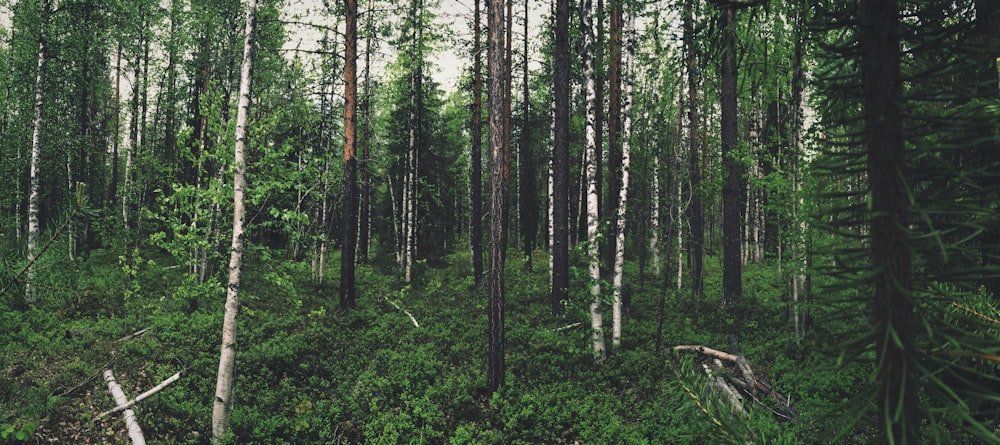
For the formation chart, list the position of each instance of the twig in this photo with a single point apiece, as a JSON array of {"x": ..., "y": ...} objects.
[
  {"x": 126, "y": 405},
  {"x": 403, "y": 310},
  {"x": 569, "y": 326},
  {"x": 132, "y": 335}
]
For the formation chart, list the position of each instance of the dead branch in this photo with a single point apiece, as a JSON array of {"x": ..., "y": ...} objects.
[
  {"x": 408, "y": 314},
  {"x": 134, "y": 431},
  {"x": 126, "y": 405},
  {"x": 741, "y": 382}
]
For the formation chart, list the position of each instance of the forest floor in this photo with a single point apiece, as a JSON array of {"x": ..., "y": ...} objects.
[{"x": 308, "y": 372}]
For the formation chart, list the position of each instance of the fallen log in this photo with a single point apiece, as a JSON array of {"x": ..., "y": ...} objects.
[
  {"x": 123, "y": 406},
  {"x": 134, "y": 431},
  {"x": 741, "y": 382}
]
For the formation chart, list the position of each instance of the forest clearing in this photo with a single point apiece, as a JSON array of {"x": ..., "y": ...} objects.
[{"x": 616, "y": 221}]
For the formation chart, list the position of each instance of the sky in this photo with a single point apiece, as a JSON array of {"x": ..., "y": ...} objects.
[{"x": 453, "y": 18}]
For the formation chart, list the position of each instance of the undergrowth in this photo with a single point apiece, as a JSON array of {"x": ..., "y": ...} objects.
[{"x": 309, "y": 372}]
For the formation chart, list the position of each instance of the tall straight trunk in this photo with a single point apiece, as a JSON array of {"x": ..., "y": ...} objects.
[
  {"x": 349, "y": 228},
  {"x": 508, "y": 83},
  {"x": 593, "y": 239},
  {"x": 133, "y": 132},
  {"x": 113, "y": 187},
  {"x": 619, "y": 265},
  {"x": 797, "y": 247},
  {"x": 227, "y": 359},
  {"x": 365, "y": 215},
  {"x": 697, "y": 225},
  {"x": 892, "y": 311},
  {"x": 476, "y": 175},
  {"x": 410, "y": 184},
  {"x": 614, "y": 131},
  {"x": 498, "y": 200},
  {"x": 560, "y": 161},
  {"x": 526, "y": 175},
  {"x": 34, "y": 187},
  {"x": 732, "y": 288}
]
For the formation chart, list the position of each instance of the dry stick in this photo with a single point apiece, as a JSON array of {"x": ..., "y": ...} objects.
[
  {"x": 126, "y": 405},
  {"x": 403, "y": 310},
  {"x": 708, "y": 351},
  {"x": 134, "y": 432}
]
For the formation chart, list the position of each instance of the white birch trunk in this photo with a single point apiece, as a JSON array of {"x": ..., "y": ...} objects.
[
  {"x": 616, "y": 308},
  {"x": 593, "y": 239},
  {"x": 551, "y": 190},
  {"x": 654, "y": 213},
  {"x": 134, "y": 431},
  {"x": 34, "y": 192},
  {"x": 227, "y": 358}
]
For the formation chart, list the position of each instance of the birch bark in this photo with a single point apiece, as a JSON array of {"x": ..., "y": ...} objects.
[
  {"x": 34, "y": 192},
  {"x": 593, "y": 236},
  {"x": 616, "y": 311},
  {"x": 227, "y": 358}
]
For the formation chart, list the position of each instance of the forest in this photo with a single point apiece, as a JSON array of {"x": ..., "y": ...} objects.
[{"x": 499, "y": 222}]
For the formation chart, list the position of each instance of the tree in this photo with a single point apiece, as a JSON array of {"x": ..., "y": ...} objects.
[
  {"x": 694, "y": 170},
  {"x": 476, "y": 153},
  {"x": 498, "y": 200},
  {"x": 350, "y": 221},
  {"x": 892, "y": 310},
  {"x": 34, "y": 189},
  {"x": 526, "y": 174},
  {"x": 559, "y": 199},
  {"x": 590, "y": 155},
  {"x": 620, "y": 210},
  {"x": 227, "y": 359},
  {"x": 732, "y": 287}
]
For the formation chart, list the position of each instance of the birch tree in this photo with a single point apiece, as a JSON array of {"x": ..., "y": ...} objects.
[
  {"x": 559, "y": 197},
  {"x": 227, "y": 359},
  {"x": 696, "y": 217},
  {"x": 34, "y": 190},
  {"x": 591, "y": 154},
  {"x": 616, "y": 314}
]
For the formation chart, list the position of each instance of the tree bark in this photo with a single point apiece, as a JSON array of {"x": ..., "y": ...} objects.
[
  {"x": 593, "y": 238},
  {"x": 526, "y": 175},
  {"x": 498, "y": 200},
  {"x": 614, "y": 130},
  {"x": 892, "y": 310},
  {"x": 560, "y": 161},
  {"x": 227, "y": 359},
  {"x": 34, "y": 188},
  {"x": 732, "y": 288},
  {"x": 131, "y": 424},
  {"x": 619, "y": 265},
  {"x": 349, "y": 240},
  {"x": 694, "y": 170},
  {"x": 476, "y": 175}
]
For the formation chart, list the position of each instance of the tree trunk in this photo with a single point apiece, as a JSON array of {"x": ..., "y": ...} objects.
[
  {"x": 616, "y": 318},
  {"x": 227, "y": 360},
  {"x": 526, "y": 176},
  {"x": 560, "y": 161},
  {"x": 34, "y": 191},
  {"x": 614, "y": 131},
  {"x": 476, "y": 175},
  {"x": 498, "y": 200},
  {"x": 349, "y": 240},
  {"x": 593, "y": 239},
  {"x": 364, "y": 225},
  {"x": 694, "y": 170},
  {"x": 732, "y": 271},
  {"x": 892, "y": 310}
]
